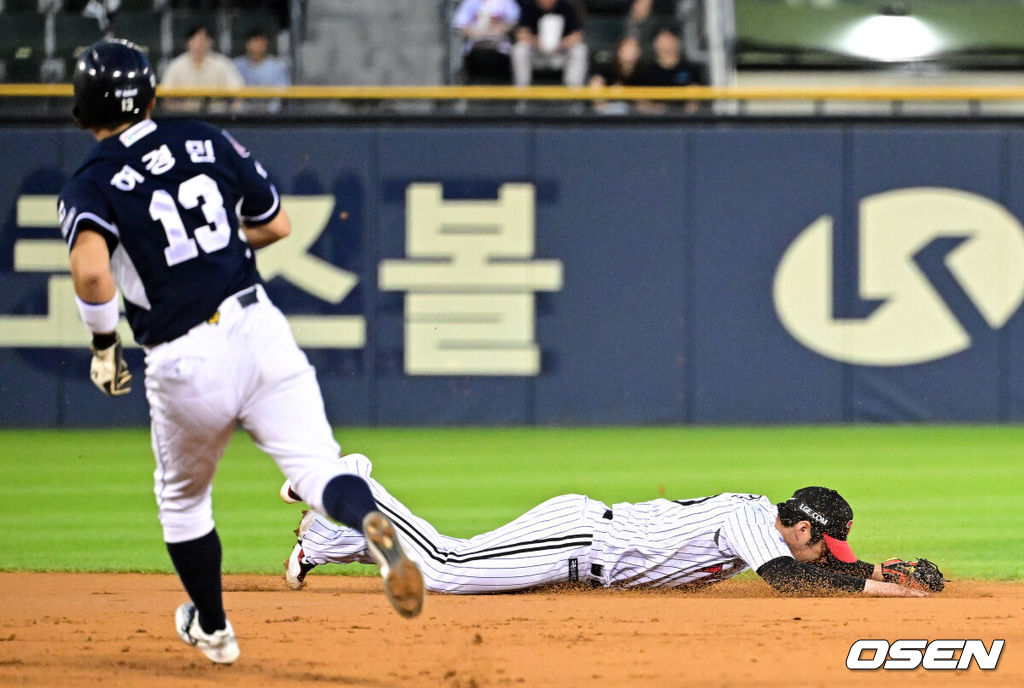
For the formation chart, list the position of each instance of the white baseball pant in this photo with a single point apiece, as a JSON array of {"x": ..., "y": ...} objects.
[{"x": 243, "y": 368}]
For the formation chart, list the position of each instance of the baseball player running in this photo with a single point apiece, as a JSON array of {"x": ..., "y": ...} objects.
[
  {"x": 170, "y": 213},
  {"x": 799, "y": 545}
]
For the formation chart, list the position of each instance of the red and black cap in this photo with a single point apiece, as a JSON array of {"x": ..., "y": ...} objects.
[{"x": 829, "y": 514}]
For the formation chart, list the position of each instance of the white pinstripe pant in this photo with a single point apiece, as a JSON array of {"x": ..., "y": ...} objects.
[{"x": 550, "y": 543}]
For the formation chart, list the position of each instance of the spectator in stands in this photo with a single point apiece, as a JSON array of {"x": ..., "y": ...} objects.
[
  {"x": 624, "y": 70},
  {"x": 668, "y": 68},
  {"x": 549, "y": 36},
  {"x": 259, "y": 68},
  {"x": 486, "y": 27},
  {"x": 200, "y": 65}
]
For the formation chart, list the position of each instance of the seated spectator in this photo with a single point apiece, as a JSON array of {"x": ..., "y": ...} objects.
[
  {"x": 624, "y": 70},
  {"x": 549, "y": 36},
  {"x": 626, "y": 67},
  {"x": 200, "y": 66},
  {"x": 258, "y": 68},
  {"x": 485, "y": 26},
  {"x": 668, "y": 68}
]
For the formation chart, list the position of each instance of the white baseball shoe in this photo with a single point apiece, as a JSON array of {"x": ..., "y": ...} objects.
[
  {"x": 295, "y": 566},
  {"x": 220, "y": 646},
  {"x": 403, "y": 582},
  {"x": 288, "y": 495}
]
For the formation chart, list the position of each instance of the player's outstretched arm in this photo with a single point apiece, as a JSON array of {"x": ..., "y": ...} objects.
[
  {"x": 859, "y": 568},
  {"x": 920, "y": 574},
  {"x": 883, "y": 589},
  {"x": 786, "y": 574}
]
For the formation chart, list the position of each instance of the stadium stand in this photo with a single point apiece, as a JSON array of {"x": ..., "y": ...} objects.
[
  {"x": 399, "y": 42},
  {"x": 22, "y": 45},
  {"x": 73, "y": 33},
  {"x": 144, "y": 28}
]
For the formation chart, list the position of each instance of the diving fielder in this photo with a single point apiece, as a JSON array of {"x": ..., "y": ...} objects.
[
  {"x": 170, "y": 213},
  {"x": 799, "y": 545}
]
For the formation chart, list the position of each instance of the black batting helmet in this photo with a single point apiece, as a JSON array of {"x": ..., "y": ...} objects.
[{"x": 114, "y": 83}]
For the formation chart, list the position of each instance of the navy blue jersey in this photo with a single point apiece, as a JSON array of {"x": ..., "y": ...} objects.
[{"x": 167, "y": 196}]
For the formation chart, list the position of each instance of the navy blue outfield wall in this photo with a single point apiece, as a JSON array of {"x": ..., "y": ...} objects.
[{"x": 615, "y": 274}]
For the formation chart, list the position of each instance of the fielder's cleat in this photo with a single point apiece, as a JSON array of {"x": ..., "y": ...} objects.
[
  {"x": 220, "y": 646},
  {"x": 288, "y": 495},
  {"x": 295, "y": 566},
  {"x": 403, "y": 583}
]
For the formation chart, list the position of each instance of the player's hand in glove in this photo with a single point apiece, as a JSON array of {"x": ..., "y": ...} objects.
[
  {"x": 920, "y": 574},
  {"x": 108, "y": 371}
]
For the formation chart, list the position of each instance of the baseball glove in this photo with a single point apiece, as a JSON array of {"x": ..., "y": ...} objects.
[{"x": 920, "y": 574}]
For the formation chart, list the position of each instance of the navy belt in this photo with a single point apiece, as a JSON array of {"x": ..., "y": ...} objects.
[{"x": 248, "y": 297}]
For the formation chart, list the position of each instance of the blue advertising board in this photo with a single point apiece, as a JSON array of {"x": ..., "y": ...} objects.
[{"x": 618, "y": 273}]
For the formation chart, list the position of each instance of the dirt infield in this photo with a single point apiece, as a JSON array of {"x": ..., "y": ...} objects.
[{"x": 117, "y": 630}]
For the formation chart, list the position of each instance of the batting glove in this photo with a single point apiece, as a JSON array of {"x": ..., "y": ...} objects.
[{"x": 108, "y": 370}]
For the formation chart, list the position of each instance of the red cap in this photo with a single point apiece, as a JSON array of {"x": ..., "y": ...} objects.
[{"x": 840, "y": 549}]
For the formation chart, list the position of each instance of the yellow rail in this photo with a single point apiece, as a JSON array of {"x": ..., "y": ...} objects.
[{"x": 910, "y": 94}]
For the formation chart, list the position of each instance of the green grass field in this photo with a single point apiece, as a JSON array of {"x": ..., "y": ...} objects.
[{"x": 83, "y": 501}]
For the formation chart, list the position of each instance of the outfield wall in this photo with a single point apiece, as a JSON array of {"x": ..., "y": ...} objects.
[{"x": 617, "y": 273}]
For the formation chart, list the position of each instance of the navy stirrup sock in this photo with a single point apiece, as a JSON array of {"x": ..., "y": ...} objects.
[
  {"x": 198, "y": 565},
  {"x": 347, "y": 499}
]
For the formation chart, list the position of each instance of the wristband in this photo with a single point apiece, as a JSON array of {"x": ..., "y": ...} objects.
[
  {"x": 99, "y": 317},
  {"x": 104, "y": 340}
]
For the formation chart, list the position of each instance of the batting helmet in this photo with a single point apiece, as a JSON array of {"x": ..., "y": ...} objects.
[{"x": 114, "y": 83}]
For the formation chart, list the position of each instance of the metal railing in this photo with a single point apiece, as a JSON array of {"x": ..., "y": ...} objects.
[{"x": 731, "y": 101}]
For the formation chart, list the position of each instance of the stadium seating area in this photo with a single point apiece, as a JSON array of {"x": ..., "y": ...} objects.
[
  {"x": 40, "y": 39},
  {"x": 409, "y": 42}
]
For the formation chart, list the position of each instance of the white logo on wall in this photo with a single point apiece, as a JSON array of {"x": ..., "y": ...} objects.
[
  {"x": 913, "y": 324},
  {"x": 470, "y": 279}
]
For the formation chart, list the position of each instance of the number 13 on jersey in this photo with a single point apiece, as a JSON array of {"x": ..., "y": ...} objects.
[{"x": 213, "y": 236}]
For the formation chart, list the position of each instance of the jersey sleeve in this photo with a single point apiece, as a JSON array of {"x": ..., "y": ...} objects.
[
  {"x": 786, "y": 574},
  {"x": 750, "y": 533},
  {"x": 260, "y": 200},
  {"x": 82, "y": 206}
]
